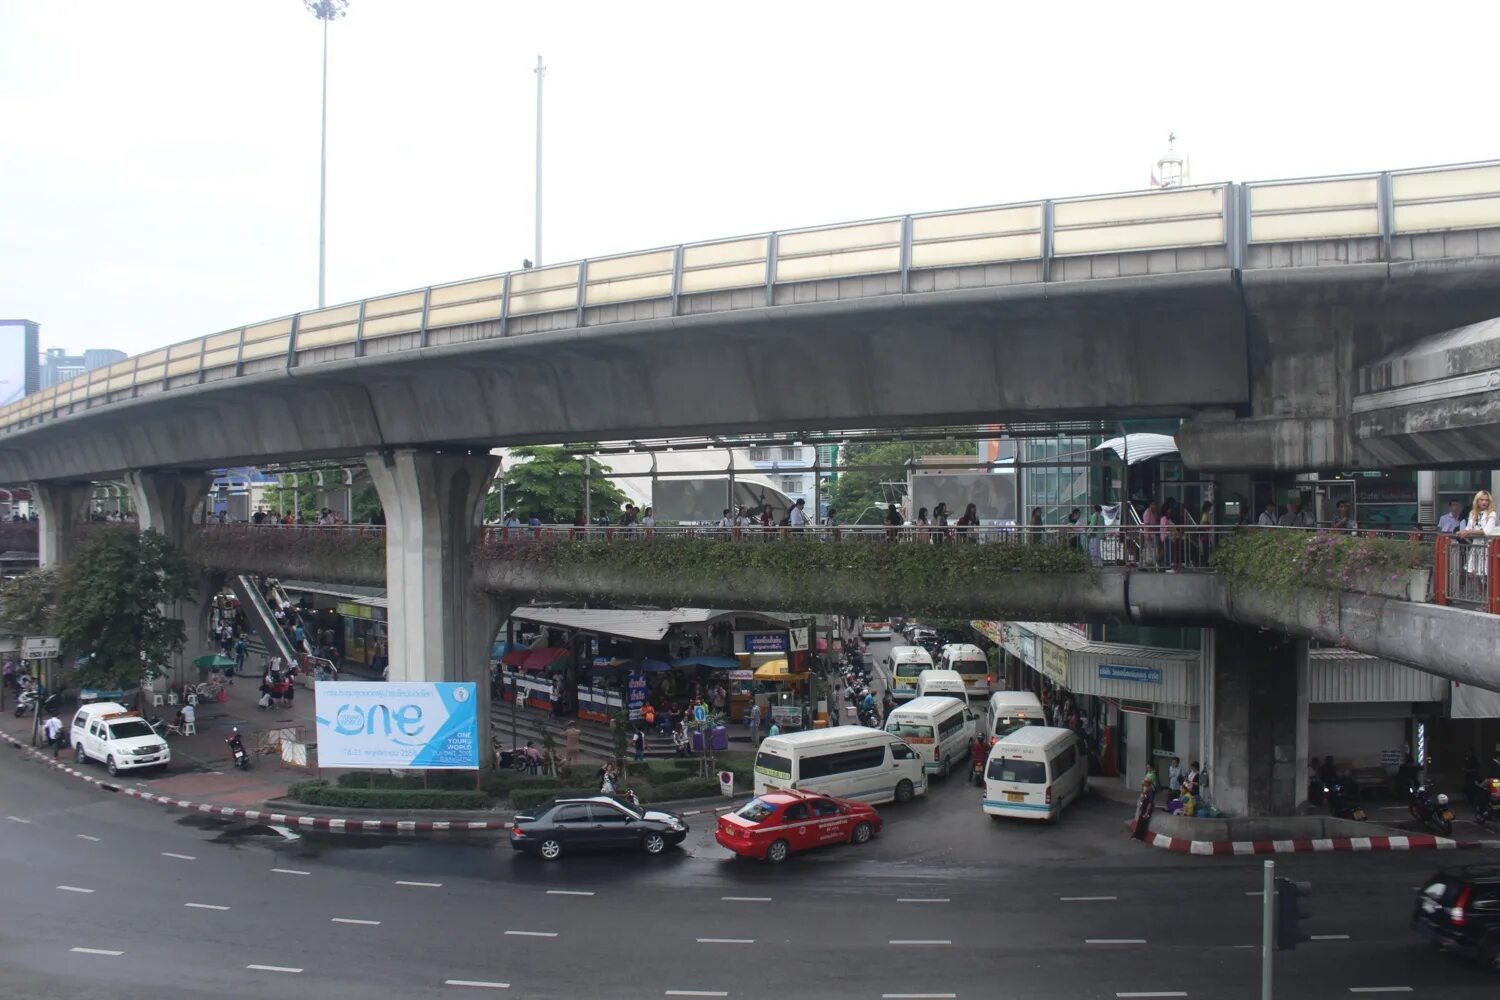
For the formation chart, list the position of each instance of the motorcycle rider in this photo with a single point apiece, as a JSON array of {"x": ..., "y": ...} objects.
[{"x": 237, "y": 749}]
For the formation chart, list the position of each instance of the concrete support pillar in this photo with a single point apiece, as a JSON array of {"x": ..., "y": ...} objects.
[
  {"x": 439, "y": 628},
  {"x": 164, "y": 502},
  {"x": 1258, "y": 698},
  {"x": 61, "y": 507}
]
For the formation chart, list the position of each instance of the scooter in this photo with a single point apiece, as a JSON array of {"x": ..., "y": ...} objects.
[
  {"x": 1340, "y": 805},
  {"x": 1431, "y": 808},
  {"x": 237, "y": 748},
  {"x": 29, "y": 699}
]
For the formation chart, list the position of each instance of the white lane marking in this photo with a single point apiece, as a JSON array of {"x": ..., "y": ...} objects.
[
  {"x": 920, "y": 941},
  {"x": 1380, "y": 989},
  {"x": 1246, "y": 946},
  {"x": 477, "y": 984},
  {"x": 918, "y": 899},
  {"x": 918, "y": 996},
  {"x": 84, "y": 836},
  {"x": 352, "y": 920},
  {"x": 726, "y": 940},
  {"x": 179, "y": 857},
  {"x": 1154, "y": 993},
  {"x": 1257, "y": 892},
  {"x": 1114, "y": 940},
  {"x": 273, "y": 968},
  {"x": 746, "y": 899},
  {"x": 1086, "y": 899},
  {"x": 424, "y": 885},
  {"x": 17, "y": 819},
  {"x": 697, "y": 993},
  {"x": 74, "y": 888},
  {"x": 289, "y": 871},
  {"x": 531, "y": 933},
  {"x": 1329, "y": 937},
  {"x": 567, "y": 892},
  {"x": 96, "y": 951},
  {"x": 205, "y": 906}
]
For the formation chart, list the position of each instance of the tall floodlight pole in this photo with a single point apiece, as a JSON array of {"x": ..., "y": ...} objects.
[
  {"x": 541, "y": 71},
  {"x": 325, "y": 11}
]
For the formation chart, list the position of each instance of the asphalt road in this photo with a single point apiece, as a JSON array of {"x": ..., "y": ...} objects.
[{"x": 945, "y": 903}]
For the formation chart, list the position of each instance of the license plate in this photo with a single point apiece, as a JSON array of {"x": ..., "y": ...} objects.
[
  {"x": 1448, "y": 814},
  {"x": 1015, "y": 797}
]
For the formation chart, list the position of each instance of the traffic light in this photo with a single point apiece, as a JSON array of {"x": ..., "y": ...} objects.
[{"x": 1290, "y": 912}]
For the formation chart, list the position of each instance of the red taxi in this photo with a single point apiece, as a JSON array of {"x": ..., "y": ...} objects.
[{"x": 775, "y": 824}]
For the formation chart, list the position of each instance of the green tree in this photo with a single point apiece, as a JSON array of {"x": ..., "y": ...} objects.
[
  {"x": 109, "y": 606},
  {"x": 28, "y": 603},
  {"x": 303, "y": 497},
  {"x": 860, "y": 495},
  {"x": 364, "y": 504},
  {"x": 548, "y": 481}
]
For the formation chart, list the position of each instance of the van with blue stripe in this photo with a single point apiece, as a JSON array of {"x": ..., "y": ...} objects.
[{"x": 1035, "y": 773}]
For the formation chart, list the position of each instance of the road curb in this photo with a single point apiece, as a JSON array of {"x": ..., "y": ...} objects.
[
  {"x": 1310, "y": 845},
  {"x": 332, "y": 824}
]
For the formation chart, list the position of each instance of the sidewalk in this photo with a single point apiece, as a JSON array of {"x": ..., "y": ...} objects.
[{"x": 200, "y": 767}]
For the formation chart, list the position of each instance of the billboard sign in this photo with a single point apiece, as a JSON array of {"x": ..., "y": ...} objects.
[
  {"x": 762, "y": 642},
  {"x": 13, "y": 353},
  {"x": 380, "y": 725}
]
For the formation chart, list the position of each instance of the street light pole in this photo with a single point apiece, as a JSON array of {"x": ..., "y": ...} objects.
[
  {"x": 541, "y": 71},
  {"x": 325, "y": 11}
]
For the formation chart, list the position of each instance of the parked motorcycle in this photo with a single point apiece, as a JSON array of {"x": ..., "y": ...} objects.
[
  {"x": 1431, "y": 808},
  {"x": 1342, "y": 805},
  {"x": 30, "y": 698}
]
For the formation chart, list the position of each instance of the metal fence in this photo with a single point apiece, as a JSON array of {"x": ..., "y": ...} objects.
[
  {"x": 1465, "y": 572},
  {"x": 1241, "y": 225}
]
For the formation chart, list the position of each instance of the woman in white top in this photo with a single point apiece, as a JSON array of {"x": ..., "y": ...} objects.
[{"x": 1483, "y": 522}]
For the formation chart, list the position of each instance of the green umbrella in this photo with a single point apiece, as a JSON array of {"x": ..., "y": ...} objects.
[{"x": 213, "y": 662}]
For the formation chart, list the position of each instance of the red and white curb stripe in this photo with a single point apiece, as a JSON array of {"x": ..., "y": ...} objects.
[
  {"x": 333, "y": 824},
  {"x": 1311, "y": 845}
]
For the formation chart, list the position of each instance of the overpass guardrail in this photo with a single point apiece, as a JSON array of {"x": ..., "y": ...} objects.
[
  {"x": 1465, "y": 570},
  {"x": 1227, "y": 225}
]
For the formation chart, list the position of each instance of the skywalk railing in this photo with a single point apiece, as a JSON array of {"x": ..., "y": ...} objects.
[{"x": 884, "y": 256}]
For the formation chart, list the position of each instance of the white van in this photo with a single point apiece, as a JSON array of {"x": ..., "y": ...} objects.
[
  {"x": 907, "y": 664},
  {"x": 942, "y": 683},
  {"x": 118, "y": 737},
  {"x": 1034, "y": 773},
  {"x": 1011, "y": 710},
  {"x": 938, "y": 729},
  {"x": 850, "y": 762},
  {"x": 970, "y": 662}
]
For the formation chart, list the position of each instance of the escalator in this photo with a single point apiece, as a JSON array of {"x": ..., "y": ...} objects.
[{"x": 262, "y": 621}]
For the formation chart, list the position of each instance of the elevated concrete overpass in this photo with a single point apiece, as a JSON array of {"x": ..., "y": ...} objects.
[{"x": 1250, "y": 307}]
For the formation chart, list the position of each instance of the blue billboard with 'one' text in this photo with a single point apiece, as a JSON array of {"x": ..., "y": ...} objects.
[{"x": 378, "y": 725}]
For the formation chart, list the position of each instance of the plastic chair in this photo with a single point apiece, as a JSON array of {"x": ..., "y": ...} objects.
[
  {"x": 189, "y": 728},
  {"x": 156, "y": 699},
  {"x": 171, "y": 697}
]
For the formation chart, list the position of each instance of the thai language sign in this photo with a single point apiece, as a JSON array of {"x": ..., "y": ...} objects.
[
  {"x": 375, "y": 725},
  {"x": 1139, "y": 675}
]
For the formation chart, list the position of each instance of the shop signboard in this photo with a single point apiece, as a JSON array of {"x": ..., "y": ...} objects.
[
  {"x": 797, "y": 645},
  {"x": 637, "y": 694},
  {"x": 787, "y": 716},
  {"x": 740, "y": 675},
  {"x": 1136, "y": 675},
  {"x": 1054, "y": 665},
  {"x": 379, "y": 725},
  {"x": 763, "y": 642}
]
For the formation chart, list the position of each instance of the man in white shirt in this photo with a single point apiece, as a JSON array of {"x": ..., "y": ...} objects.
[
  {"x": 1453, "y": 521},
  {"x": 799, "y": 514},
  {"x": 1268, "y": 516},
  {"x": 1294, "y": 516},
  {"x": 52, "y": 728}
]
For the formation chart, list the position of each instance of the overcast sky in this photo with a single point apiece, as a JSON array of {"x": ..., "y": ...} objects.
[{"x": 159, "y": 171}]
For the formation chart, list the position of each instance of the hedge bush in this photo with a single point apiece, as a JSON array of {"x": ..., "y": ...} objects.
[
  {"x": 1284, "y": 562},
  {"x": 691, "y": 788},
  {"x": 317, "y": 793},
  {"x": 457, "y": 781}
]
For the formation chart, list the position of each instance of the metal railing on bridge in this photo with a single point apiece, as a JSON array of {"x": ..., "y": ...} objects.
[
  {"x": 1242, "y": 225},
  {"x": 1466, "y": 571}
]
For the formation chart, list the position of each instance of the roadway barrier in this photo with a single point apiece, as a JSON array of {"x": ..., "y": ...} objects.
[{"x": 1215, "y": 226}]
